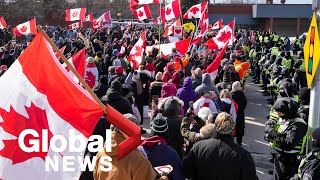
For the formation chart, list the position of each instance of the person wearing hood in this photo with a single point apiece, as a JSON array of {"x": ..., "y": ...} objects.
[
  {"x": 92, "y": 73},
  {"x": 171, "y": 107},
  {"x": 158, "y": 152},
  {"x": 166, "y": 76},
  {"x": 176, "y": 80},
  {"x": 137, "y": 89},
  {"x": 206, "y": 86},
  {"x": 208, "y": 159},
  {"x": 186, "y": 94},
  {"x": 156, "y": 86},
  {"x": 119, "y": 74},
  {"x": 168, "y": 90},
  {"x": 134, "y": 166},
  {"x": 115, "y": 99},
  {"x": 309, "y": 167},
  {"x": 304, "y": 104},
  {"x": 287, "y": 138},
  {"x": 240, "y": 98},
  {"x": 197, "y": 78},
  {"x": 102, "y": 87}
]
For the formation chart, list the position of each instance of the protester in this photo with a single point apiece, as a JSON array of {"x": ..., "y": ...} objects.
[{"x": 186, "y": 94}]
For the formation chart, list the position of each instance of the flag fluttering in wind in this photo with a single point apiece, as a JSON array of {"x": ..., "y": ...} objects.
[
  {"x": 77, "y": 14},
  {"x": 26, "y": 28}
]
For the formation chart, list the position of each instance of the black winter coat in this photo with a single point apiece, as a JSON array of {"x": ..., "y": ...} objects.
[
  {"x": 219, "y": 158},
  {"x": 240, "y": 98},
  {"x": 117, "y": 101}
]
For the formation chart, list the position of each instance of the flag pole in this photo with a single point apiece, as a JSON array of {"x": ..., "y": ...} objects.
[
  {"x": 159, "y": 31},
  {"x": 73, "y": 70}
]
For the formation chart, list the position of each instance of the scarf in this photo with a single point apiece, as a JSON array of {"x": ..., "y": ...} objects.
[{"x": 152, "y": 141}]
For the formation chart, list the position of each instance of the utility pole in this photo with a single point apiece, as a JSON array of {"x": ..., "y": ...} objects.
[{"x": 314, "y": 112}]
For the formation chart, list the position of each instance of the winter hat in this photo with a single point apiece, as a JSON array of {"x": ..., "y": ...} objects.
[
  {"x": 286, "y": 106},
  {"x": 212, "y": 117},
  {"x": 224, "y": 124},
  {"x": 172, "y": 106},
  {"x": 236, "y": 86},
  {"x": 116, "y": 85},
  {"x": 159, "y": 126},
  {"x": 115, "y": 52},
  {"x": 204, "y": 113},
  {"x": 90, "y": 60},
  {"x": 119, "y": 70},
  {"x": 159, "y": 76}
]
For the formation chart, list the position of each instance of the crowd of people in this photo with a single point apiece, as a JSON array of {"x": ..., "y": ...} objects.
[{"x": 197, "y": 120}]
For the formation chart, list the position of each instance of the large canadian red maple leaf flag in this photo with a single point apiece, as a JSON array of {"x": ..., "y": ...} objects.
[
  {"x": 142, "y": 13},
  {"x": 196, "y": 11},
  {"x": 26, "y": 28},
  {"x": 224, "y": 35},
  {"x": 170, "y": 11},
  {"x": 3, "y": 23},
  {"x": 212, "y": 69},
  {"x": 136, "y": 53},
  {"x": 37, "y": 93},
  {"x": 78, "y": 62},
  {"x": 77, "y": 14}
]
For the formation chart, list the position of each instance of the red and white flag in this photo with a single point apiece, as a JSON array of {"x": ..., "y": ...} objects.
[
  {"x": 3, "y": 23},
  {"x": 204, "y": 21},
  {"x": 78, "y": 14},
  {"x": 136, "y": 53},
  {"x": 212, "y": 69},
  {"x": 170, "y": 11},
  {"x": 78, "y": 62},
  {"x": 75, "y": 25},
  {"x": 169, "y": 29},
  {"x": 196, "y": 40},
  {"x": 96, "y": 25},
  {"x": 61, "y": 50},
  {"x": 178, "y": 31},
  {"x": 26, "y": 28},
  {"x": 40, "y": 95},
  {"x": 89, "y": 18},
  {"x": 106, "y": 17},
  {"x": 217, "y": 25},
  {"x": 224, "y": 35},
  {"x": 196, "y": 11},
  {"x": 166, "y": 49},
  {"x": 142, "y": 13},
  {"x": 92, "y": 74},
  {"x": 134, "y": 3},
  {"x": 122, "y": 50}
]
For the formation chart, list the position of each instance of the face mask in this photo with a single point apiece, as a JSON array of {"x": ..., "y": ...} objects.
[{"x": 315, "y": 145}]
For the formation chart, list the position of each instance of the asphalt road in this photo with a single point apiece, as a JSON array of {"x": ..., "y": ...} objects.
[{"x": 256, "y": 115}]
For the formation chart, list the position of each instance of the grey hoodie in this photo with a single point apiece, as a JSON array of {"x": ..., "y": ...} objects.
[{"x": 206, "y": 86}]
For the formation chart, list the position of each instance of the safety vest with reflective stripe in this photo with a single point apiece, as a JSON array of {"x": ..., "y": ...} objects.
[
  {"x": 299, "y": 148},
  {"x": 266, "y": 39},
  {"x": 286, "y": 63},
  {"x": 274, "y": 50},
  {"x": 275, "y": 38}
]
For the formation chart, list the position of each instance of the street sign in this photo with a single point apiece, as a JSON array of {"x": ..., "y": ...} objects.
[{"x": 311, "y": 50}]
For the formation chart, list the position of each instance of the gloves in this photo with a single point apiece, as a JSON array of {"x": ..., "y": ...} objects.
[
  {"x": 269, "y": 126},
  {"x": 273, "y": 134}
]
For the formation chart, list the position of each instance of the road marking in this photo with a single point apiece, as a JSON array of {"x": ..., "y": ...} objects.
[
  {"x": 261, "y": 142},
  {"x": 253, "y": 122}
]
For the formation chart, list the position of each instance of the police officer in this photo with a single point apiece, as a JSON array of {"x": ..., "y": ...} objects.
[
  {"x": 287, "y": 136},
  {"x": 309, "y": 168}
]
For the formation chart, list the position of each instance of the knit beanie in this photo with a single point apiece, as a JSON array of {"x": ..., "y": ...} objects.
[
  {"x": 119, "y": 70},
  {"x": 159, "y": 126}
]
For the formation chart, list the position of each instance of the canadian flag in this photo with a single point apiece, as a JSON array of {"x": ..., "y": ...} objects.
[
  {"x": 106, "y": 17},
  {"x": 224, "y": 35},
  {"x": 198, "y": 38},
  {"x": 89, "y": 18},
  {"x": 40, "y": 95},
  {"x": 204, "y": 21},
  {"x": 178, "y": 31},
  {"x": 75, "y": 25},
  {"x": 169, "y": 29},
  {"x": 78, "y": 62},
  {"x": 170, "y": 11},
  {"x": 78, "y": 14},
  {"x": 142, "y": 13},
  {"x": 92, "y": 74},
  {"x": 122, "y": 50},
  {"x": 217, "y": 25},
  {"x": 26, "y": 28},
  {"x": 196, "y": 11},
  {"x": 96, "y": 25},
  {"x": 3, "y": 23},
  {"x": 166, "y": 49},
  {"x": 212, "y": 69},
  {"x": 134, "y": 3},
  {"x": 61, "y": 50},
  {"x": 136, "y": 53}
]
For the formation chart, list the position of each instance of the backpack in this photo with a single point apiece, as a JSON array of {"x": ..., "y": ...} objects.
[{"x": 310, "y": 170}]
